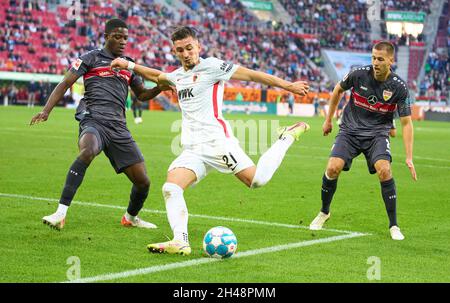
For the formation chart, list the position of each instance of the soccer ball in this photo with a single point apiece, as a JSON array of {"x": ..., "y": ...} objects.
[{"x": 220, "y": 242}]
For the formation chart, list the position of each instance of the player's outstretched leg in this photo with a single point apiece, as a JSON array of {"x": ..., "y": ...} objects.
[
  {"x": 177, "y": 213},
  {"x": 89, "y": 148},
  {"x": 272, "y": 158},
  {"x": 139, "y": 192}
]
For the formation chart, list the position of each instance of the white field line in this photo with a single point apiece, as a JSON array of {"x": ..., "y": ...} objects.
[
  {"x": 229, "y": 219},
  {"x": 200, "y": 261}
]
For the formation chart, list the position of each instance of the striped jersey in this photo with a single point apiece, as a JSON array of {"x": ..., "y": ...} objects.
[
  {"x": 200, "y": 96},
  {"x": 106, "y": 91},
  {"x": 370, "y": 110}
]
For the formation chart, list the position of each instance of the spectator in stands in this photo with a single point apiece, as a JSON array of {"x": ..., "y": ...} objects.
[
  {"x": 32, "y": 90},
  {"x": 12, "y": 93}
]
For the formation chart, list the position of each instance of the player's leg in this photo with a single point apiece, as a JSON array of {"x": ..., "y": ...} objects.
[
  {"x": 269, "y": 162},
  {"x": 137, "y": 174},
  {"x": 178, "y": 179},
  {"x": 140, "y": 113},
  {"x": 135, "y": 116},
  {"x": 389, "y": 194},
  {"x": 379, "y": 159},
  {"x": 329, "y": 185},
  {"x": 345, "y": 148},
  {"x": 89, "y": 147}
]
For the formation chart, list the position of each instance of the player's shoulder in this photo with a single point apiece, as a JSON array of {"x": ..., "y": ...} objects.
[
  {"x": 217, "y": 65},
  {"x": 128, "y": 58},
  {"x": 361, "y": 70},
  {"x": 398, "y": 82},
  {"x": 92, "y": 53},
  {"x": 176, "y": 71},
  {"x": 358, "y": 72}
]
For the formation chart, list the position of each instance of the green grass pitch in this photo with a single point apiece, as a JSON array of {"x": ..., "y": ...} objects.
[{"x": 273, "y": 243}]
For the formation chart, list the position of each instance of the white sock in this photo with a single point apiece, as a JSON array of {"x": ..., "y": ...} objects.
[
  {"x": 177, "y": 212},
  {"x": 62, "y": 209},
  {"x": 270, "y": 161},
  {"x": 130, "y": 217}
]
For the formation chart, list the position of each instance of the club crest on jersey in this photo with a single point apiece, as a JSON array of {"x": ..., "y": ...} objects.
[
  {"x": 387, "y": 95},
  {"x": 194, "y": 78},
  {"x": 76, "y": 64}
]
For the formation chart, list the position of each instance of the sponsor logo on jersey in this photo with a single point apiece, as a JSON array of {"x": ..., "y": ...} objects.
[
  {"x": 76, "y": 64},
  {"x": 372, "y": 104},
  {"x": 226, "y": 67},
  {"x": 372, "y": 100},
  {"x": 363, "y": 87},
  {"x": 387, "y": 95},
  {"x": 185, "y": 94}
]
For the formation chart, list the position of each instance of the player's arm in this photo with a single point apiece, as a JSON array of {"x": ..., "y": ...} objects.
[
  {"x": 58, "y": 93},
  {"x": 408, "y": 141},
  {"x": 393, "y": 130},
  {"x": 146, "y": 72},
  {"x": 336, "y": 95},
  {"x": 145, "y": 94},
  {"x": 244, "y": 74}
]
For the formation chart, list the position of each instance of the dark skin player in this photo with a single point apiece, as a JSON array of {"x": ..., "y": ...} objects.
[{"x": 88, "y": 144}]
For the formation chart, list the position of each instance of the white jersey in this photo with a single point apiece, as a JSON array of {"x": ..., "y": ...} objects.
[{"x": 200, "y": 95}]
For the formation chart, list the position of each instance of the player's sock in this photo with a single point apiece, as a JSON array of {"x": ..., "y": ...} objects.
[
  {"x": 62, "y": 209},
  {"x": 73, "y": 181},
  {"x": 389, "y": 193},
  {"x": 137, "y": 199},
  {"x": 270, "y": 161},
  {"x": 177, "y": 212},
  {"x": 328, "y": 189}
]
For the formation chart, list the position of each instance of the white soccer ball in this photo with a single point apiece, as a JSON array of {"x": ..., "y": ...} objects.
[{"x": 219, "y": 242}]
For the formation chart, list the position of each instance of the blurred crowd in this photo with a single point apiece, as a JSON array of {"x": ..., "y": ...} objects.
[
  {"x": 41, "y": 39},
  {"x": 338, "y": 24}
]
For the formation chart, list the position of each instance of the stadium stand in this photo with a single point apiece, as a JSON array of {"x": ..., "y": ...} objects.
[
  {"x": 435, "y": 85},
  {"x": 338, "y": 24},
  {"x": 40, "y": 38}
]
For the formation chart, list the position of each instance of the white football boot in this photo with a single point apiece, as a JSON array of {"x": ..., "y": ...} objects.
[
  {"x": 396, "y": 234},
  {"x": 318, "y": 221},
  {"x": 55, "y": 221},
  {"x": 137, "y": 222}
]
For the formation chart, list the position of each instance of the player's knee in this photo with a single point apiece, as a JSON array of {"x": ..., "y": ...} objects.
[
  {"x": 87, "y": 154},
  {"x": 384, "y": 173},
  {"x": 171, "y": 190},
  {"x": 333, "y": 171},
  {"x": 143, "y": 183}
]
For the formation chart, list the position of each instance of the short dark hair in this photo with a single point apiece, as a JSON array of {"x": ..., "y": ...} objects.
[
  {"x": 385, "y": 45},
  {"x": 183, "y": 32},
  {"x": 113, "y": 24}
]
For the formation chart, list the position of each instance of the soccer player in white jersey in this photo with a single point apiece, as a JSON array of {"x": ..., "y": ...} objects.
[{"x": 207, "y": 139}]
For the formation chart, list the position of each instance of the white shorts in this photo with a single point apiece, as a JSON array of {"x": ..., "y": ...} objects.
[{"x": 225, "y": 156}]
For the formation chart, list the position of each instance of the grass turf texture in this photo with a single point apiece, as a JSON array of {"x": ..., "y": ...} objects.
[{"x": 34, "y": 162}]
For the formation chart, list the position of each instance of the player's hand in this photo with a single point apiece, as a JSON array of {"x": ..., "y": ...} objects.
[
  {"x": 40, "y": 117},
  {"x": 300, "y": 88},
  {"x": 119, "y": 63},
  {"x": 163, "y": 87},
  {"x": 410, "y": 165},
  {"x": 327, "y": 127}
]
